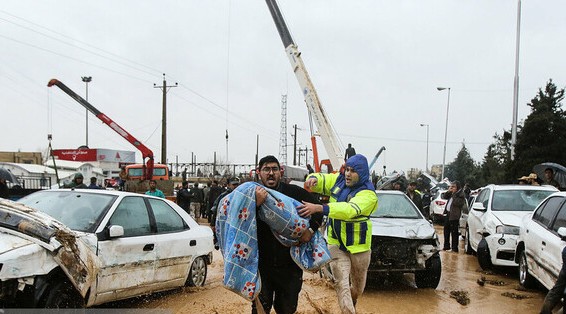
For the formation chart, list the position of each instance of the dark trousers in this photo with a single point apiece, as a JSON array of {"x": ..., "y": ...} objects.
[
  {"x": 557, "y": 292},
  {"x": 451, "y": 231},
  {"x": 280, "y": 287}
]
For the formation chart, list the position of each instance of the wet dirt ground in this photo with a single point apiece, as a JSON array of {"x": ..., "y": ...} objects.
[{"x": 462, "y": 280}]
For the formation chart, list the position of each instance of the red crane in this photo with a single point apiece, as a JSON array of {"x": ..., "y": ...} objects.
[{"x": 146, "y": 152}]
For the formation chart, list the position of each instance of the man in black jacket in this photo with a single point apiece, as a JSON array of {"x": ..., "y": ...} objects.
[
  {"x": 184, "y": 197},
  {"x": 213, "y": 194},
  {"x": 281, "y": 277}
]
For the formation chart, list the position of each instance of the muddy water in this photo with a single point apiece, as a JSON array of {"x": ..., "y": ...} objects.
[{"x": 460, "y": 272}]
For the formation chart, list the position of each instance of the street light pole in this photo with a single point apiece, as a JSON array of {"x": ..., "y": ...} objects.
[
  {"x": 445, "y": 130},
  {"x": 516, "y": 83},
  {"x": 87, "y": 80},
  {"x": 423, "y": 124}
]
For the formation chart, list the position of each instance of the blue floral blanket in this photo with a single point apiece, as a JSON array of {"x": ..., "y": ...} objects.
[{"x": 237, "y": 236}]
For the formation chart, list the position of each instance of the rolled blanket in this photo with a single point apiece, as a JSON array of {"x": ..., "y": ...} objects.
[{"x": 236, "y": 231}]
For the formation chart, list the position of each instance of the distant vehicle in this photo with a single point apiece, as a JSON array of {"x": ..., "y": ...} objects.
[
  {"x": 136, "y": 172},
  {"x": 437, "y": 206},
  {"x": 493, "y": 222},
  {"x": 77, "y": 248},
  {"x": 541, "y": 240},
  {"x": 403, "y": 241}
]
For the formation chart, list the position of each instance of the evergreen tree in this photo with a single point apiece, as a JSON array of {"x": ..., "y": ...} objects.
[
  {"x": 543, "y": 135},
  {"x": 463, "y": 168},
  {"x": 496, "y": 159}
]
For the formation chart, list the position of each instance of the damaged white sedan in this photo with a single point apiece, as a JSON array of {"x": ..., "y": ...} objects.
[
  {"x": 76, "y": 248},
  {"x": 403, "y": 241}
]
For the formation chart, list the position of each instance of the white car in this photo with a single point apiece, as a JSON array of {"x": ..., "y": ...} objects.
[
  {"x": 493, "y": 222},
  {"x": 541, "y": 240},
  {"x": 403, "y": 241},
  {"x": 83, "y": 247},
  {"x": 437, "y": 205}
]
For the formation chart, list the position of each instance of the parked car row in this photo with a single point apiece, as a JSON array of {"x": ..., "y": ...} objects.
[
  {"x": 494, "y": 221},
  {"x": 518, "y": 225}
]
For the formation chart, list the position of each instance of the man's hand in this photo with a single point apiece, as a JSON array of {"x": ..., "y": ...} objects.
[
  {"x": 306, "y": 236},
  {"x": 311, "y": 182},
  {"x": 307, "y": 209},
  {"x": 260, "y": 195}
]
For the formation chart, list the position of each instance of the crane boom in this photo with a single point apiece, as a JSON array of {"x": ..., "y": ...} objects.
[
  {"x": 322, "y": 122},
  {"x": 146, "y": 152}
]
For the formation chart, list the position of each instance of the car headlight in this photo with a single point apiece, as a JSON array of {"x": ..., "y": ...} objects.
[{"x": 507, "y": 229}]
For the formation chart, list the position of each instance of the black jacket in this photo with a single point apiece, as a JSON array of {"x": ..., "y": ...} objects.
[
  {"x": 271, "y": 252},
  {"x": 184, "y": 199},
  {"x": 457, "y": 204}
]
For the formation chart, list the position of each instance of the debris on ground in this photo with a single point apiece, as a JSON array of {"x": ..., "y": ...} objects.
[
  {"x": 485, "y": 272},
  {"x": 496, "y": 282},
  {"x": 461, "y": 296},
  {"x": 481, "y": 281},
  {"x": 514, "y": 295}
]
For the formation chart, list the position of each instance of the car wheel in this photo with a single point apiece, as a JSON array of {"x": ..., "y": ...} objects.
[
  {"x": 63, "y": 294},
  {"x": 525, "y": 279},
  {"x": 484, "y": 257},
  {"x": 197, "y": 275},
  {"x": 430, "y": 276},
  {"x": 469, "y": 249}
]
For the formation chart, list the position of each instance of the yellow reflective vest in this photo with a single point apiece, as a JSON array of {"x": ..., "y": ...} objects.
[{"x": 348, "y": 225}]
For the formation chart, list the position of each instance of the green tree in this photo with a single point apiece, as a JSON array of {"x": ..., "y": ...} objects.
[
  {"x": 496, "y": 160},
  {"x": 464, "y": 168},
  {"x": 543, "y": 135}
]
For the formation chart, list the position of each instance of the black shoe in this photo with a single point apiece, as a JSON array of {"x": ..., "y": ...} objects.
[{"x": 446, "y": 249}]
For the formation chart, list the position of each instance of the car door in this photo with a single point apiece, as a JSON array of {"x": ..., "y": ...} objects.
[
  {"x": 475, "y": 225},
  {"x": 128, "y": 260},
  {"x": 539, "y": 241},
  {"x": 554, "y": 245},
  {"x": 175, "y": 245},
  {"x": 464, "y": 216}
]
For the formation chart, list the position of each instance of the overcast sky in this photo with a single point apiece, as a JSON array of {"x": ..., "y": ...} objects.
[{"x": 375, "y": 64}]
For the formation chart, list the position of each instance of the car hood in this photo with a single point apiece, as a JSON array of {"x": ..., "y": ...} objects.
[
  {"x": 70, "y": 251},
  {"x": 402, "y": 228},
  {"x": 510, "y": 218},
  {"x": 10, "y": 242}
]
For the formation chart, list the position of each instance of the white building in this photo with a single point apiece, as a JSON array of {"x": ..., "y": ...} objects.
[{"x": 67, "y": 170}]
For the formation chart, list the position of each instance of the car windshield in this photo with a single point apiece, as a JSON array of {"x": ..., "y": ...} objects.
[
  {"x": 77, "y": 210},
  {"x": 517, "y": 200},
  {"x": 394, "y": 206}
]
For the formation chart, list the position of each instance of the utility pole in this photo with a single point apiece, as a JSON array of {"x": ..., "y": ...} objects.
[
  {"x": 86, "y": 79},
  {"x": 516, "y": 83},
  {"x": 283, "y": 132},
  {"x": 164, "y": 88},
  {"x": 295, "y": 145},
  {"x": 307, "y": 155}
]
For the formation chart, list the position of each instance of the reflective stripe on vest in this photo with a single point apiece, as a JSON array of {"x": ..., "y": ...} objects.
[{"x": 350, "y": 229}]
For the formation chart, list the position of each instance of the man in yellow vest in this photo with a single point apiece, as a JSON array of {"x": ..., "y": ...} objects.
[{"x": 349, "y": 230}]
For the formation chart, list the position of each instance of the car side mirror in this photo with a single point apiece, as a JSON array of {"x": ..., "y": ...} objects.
[
  {"x": 478, "y": 206},
  {"x": 562, "y": 233},
  {"x": 116, "y": 231}
]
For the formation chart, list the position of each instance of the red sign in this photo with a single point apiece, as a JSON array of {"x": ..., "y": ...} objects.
[{"x": 75, "y": 154}]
